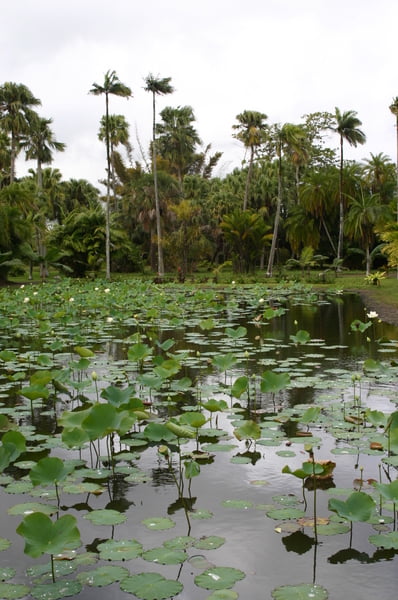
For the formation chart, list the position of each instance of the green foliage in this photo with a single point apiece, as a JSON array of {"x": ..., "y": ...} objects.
[
  {"x": 359, "y": 506},
  {"x": 43, "y": 536}
]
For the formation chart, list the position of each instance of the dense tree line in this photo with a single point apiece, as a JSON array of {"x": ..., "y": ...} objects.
[{"x": 294, "y": 199}]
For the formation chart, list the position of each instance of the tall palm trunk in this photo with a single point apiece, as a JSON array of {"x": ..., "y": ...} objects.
[
  {"x": 341, "y": 202},
  {"x": 271, "y": 259},
  {"x": 108, "y": 194},
  {"x": 157, "y": 204},
  {"x": 248, "y": 179}
]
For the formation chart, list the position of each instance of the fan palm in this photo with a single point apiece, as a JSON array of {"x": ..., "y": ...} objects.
[
  {"x": 112, "y": 85},
  {"x": 177, "y": 140},
  {"x": 251, "y": 130}
]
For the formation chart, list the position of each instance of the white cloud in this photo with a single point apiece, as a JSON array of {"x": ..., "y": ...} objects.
[{"x": 281, "y": 57}]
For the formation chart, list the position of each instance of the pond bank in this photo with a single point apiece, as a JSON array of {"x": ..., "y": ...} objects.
[{"x": 387, "y": 312}]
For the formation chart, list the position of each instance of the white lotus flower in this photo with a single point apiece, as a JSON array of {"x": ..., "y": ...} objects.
[{"x": 372, "y": 314}]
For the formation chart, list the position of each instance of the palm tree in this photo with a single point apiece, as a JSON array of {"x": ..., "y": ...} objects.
[
  {"x": 157, "y": 87},
  {"x": 112, "y": 85},
  {"x": 5, "y": 158},
  {"x": 347, "y": 127},
  {"x": 39, "y": 143},
  {"x": 118, "y": 134},
  {"x": 285, "y": 140},
  {"x": 364, "y": 213},
  {"x": 251, "y": 131},
  {"x": 319, "y": 196},
  {"x": 16, "y": 102},
  {"x": 246, "y": 233},
  {"x": 394, "y": 110},
  {"x": 177, "y": 140}
]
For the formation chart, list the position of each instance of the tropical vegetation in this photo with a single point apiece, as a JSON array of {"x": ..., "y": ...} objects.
[{"x": 169, "y": 210}]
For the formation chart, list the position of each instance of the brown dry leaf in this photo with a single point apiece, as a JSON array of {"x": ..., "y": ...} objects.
[
  {"x": 376, "y": 446},
  {"x": 309, "y": 522}
]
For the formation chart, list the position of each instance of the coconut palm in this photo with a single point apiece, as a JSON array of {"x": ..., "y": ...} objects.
[
  {"x": 157, "y": 87},
  {"x": 251, "y": 131},
  {"x": 16, "y": 113},
  {"x": 112, "y": 85},
  {"x": 347, "y": 127}
]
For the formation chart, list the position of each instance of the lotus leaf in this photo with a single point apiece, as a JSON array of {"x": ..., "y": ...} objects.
[
  {"x": 103, "y": 576},
  {"x": 151, "y": 586},
  {"x": 13, "y": 591},
  {"x": 358, "y": 507},
  {"x": 57, "y": 590},
  {"x": 165, "y": 556},
  {"x": 42, "y": 535},
  {"x": 218, "y": 578},
  {"x": 105, "y": 516},
  {"x": 119, "y": 549},
  {"x": 158, "y": 523},
  {"x": 303, "y": 591}
]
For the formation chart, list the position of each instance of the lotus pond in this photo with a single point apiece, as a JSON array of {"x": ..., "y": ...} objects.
[{"x": 177, "y": 442}]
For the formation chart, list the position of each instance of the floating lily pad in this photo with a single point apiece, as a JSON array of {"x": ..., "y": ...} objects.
[
  {"x": 103, "y": 576},
  {"x": 259, "y": 482},
  {"x": 119, "y": 549},
  {"x": 201, "y": 514},
  {"x": 19, "y": 487},
  {"x": 26, "y": 508},
  {"x": 285, "y": 453},
  {"x": 240, "y": 460},
  {"x": 332, "y": 529},
  {"x": 95, "y": 473},
  {"x": 4, "y": 544},
  {"x": 158, "y": 523},
  {"x": 179, "y": 542},
  {"x": 223, "y": 595},
  {"x": 218, "y": 578},
  {"x": 6, "y": 573},
  {"x": 303, "y": 591},
  {"x": 54, "y": 591},
  {"x": 345, "y": 450},
  {"x": 105, "y": 516},
  {"x": 12, "y": 591},
  {"x": 84, "y": 487},
  {"x": 210, "y": 542},
  {"x": 165, "y": 556},
  {"x": 285, "y": 513},
  {"x": 219, "y": 447},
  {"x": 385, "y": 540},
  {"x": 286, "y": 499},
  {"x": 151, "y": 586},
  {"x": 240, "y": 504}
]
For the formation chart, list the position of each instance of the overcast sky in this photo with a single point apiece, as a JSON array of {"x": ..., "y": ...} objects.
[{"x": 285, "y": 58}]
